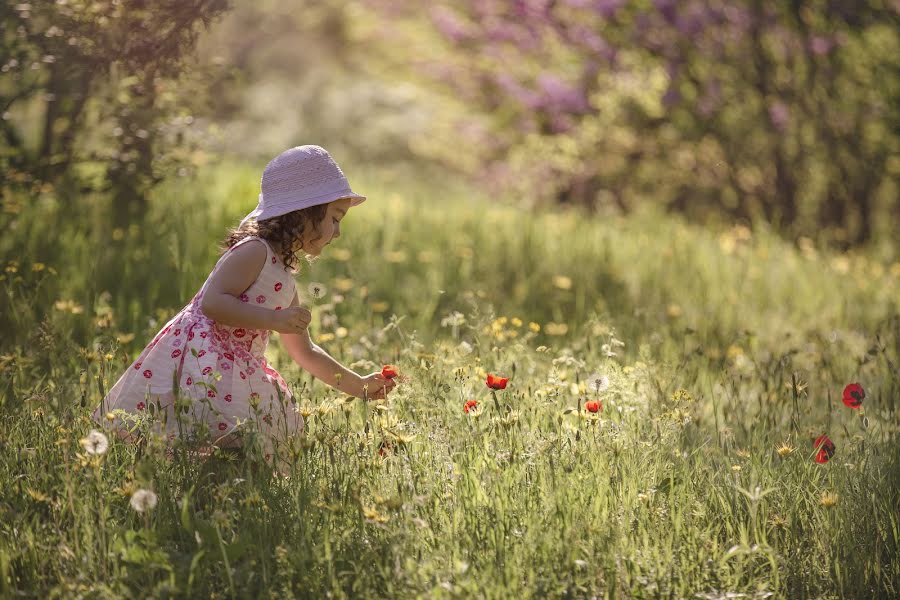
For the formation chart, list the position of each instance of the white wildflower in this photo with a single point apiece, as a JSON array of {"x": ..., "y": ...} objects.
[
  {"x": 95, "y": 443},
  {"x": 143, "y": 500},
  {"x": 317, "y": 290},
  {"x": 454, "y": 319},
  {"x": 465, "y": 348}
]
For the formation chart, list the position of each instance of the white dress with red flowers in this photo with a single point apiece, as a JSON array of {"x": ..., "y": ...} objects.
[{"x": 221, "y": 369}]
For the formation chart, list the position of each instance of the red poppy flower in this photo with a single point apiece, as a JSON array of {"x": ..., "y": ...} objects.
[
  {"x": 495, "y": 382},
  {"x": 137, "y": 366},
  {"x": 141, "y": 406},
  {"x": 384, "y": 448},
  {"x": 826, "y": 449},
  {"x": 177, "y": 332},
  {"x": 239, "y": 333},
  {"x": 593, "y": 406},
  {"x": 389, "y": 371},
  {"x": 222, "y": 426},
  {"x": 210, "y": 394},
  {"x": 268, "y": 419},
  {"x": 148, "y": 373},
  {"x": 260, "y": 299},
  {"x": 470, "y": 404},
  {"x": 854, "y": 394},
  {"x": 278, "y": 287},
  {"x": 206, "y": 370},
  {"x": 176, "y": 353},
  {"x": 227, "y": 397}
]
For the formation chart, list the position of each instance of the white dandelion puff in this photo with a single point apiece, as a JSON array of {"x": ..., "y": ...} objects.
[
  {"x": 143, "y": 500},
  {"x": 598, "y": 383},
  {"x": 317, "y": 290},
  {"x": 95, "y": 442}
]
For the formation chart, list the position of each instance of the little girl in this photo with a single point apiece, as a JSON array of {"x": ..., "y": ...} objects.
[{"x": 213, "y": 351}]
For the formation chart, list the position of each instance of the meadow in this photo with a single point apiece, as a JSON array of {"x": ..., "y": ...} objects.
[{"x": 656, "y": 438}]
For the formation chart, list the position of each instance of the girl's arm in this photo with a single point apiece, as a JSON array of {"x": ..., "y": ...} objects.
[
  {"x": 221, "y": 300},
  {"x": 314, "y": 360}
]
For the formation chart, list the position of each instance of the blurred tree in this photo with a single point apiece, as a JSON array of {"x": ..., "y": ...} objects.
[
  {"x": 785, "y": 111},
  {"x": 72, "y": 65}
]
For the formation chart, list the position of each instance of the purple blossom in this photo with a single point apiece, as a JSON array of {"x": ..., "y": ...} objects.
[
  {"x": 607, "y": 8},
  {"x": 561, "y": 123},
  {"x": 590, "y": 39},
  {"x": 711, "y": 99},
  {"x": 667, "y": 9},
  {"x": 558, "y": 95},
  {"x": 820, "y": 45},
  {"x": 736, "y": 15},
  {"x": 512, "y": 88},
  {"x": 672, "y": 97},
  {"x": 779, "y": 115},
  {"x": 504, "y": 30},
  {"x": 449, "y": 24}
]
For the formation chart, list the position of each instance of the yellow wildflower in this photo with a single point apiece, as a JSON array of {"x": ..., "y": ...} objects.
[
  {"x": 784, "y": 449},
  {"x": 562, "y": 282}
]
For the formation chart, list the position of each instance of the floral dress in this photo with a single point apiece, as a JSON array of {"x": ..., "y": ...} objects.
[{"x": 220, "y": 372}]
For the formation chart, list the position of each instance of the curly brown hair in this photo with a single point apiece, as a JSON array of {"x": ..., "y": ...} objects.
[{"x": 283, "y": 233}]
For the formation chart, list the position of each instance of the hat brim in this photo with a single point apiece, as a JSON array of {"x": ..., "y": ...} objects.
[{"x": 270, "y": 212}]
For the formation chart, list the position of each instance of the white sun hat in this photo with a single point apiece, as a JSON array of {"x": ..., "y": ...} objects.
[{"x": 299, "y": 178}]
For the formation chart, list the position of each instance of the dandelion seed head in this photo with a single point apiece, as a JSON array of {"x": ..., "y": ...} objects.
[
  {"x": 599, "y": 383},
  {"x": 95, "y": 443},
  {"x": 143, "y": 500}
]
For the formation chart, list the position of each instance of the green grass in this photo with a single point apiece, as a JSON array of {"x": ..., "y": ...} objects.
[{"x": 734, "y": 344}]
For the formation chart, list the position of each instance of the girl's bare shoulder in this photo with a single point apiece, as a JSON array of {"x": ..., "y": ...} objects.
[{"x": 240, "y": 267}]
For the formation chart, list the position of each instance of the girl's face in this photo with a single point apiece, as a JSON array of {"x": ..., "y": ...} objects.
[{"x": 328, "y": 229}]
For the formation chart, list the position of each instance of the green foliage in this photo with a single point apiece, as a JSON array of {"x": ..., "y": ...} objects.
[
  {"x": 726, "y": 353},
  {"x": 94, "y": 82}
]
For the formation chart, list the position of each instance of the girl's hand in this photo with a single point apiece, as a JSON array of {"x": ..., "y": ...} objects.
[
  {"x": 292, "y": 319},
  {"x": 378, "y": 386}
]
